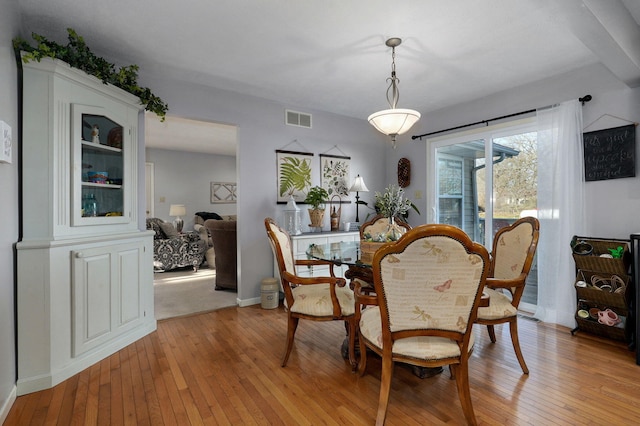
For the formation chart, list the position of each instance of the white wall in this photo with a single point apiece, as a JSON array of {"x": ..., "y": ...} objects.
[
  {"x": 261, "y": 130},
  {"x": 9, "y": 19},
  {"x": 612, "y": 206},
  {"x": 182, "y": 177}
]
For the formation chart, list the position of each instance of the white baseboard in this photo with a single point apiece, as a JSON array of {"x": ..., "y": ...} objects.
[
  {"x": 8, "y": 403},
  {"x": 248, "y": 302}
]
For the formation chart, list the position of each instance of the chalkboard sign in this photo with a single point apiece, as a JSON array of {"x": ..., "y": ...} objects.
[{"x": 610, "y": 153}]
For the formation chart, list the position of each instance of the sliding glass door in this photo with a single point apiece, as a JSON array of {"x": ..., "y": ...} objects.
[{"x": 483, "y": 180}]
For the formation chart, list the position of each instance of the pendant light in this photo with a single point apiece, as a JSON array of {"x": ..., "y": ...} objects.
[{"x": 393, "y": 121}]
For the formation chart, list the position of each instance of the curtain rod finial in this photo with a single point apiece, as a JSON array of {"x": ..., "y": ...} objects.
[{"x": 585, "y": 99}]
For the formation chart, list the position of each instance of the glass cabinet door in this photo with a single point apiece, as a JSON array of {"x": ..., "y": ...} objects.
[{"x": 100, "y": 172}]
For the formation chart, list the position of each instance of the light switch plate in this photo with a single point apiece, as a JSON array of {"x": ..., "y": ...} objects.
[{"x": 5, "y": 142}]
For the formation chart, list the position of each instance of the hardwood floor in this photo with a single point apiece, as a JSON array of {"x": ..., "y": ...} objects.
[{"x": 223, "y": 368}]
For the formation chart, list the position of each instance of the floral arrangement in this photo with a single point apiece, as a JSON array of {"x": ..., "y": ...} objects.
[{"x": 393, "y": 202}]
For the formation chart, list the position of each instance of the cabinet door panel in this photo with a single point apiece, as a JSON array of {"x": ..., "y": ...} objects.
[
  {"x": 129, "y": 270},
  {"x": 92, "y": 295},
  {"x": 106, "y": 293}
]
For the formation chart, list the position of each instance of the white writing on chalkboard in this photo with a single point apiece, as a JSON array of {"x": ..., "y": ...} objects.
[{"x": 610, "y": 153}]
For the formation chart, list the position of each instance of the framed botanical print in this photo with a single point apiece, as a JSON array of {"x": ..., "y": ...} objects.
[
  {"x": 294, "y": 175},
  {"x": 334, "y": 175}
]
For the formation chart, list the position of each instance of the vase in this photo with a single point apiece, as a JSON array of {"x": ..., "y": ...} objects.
[
  {"x": 316, "y": 216},
  {"x": 394, "y": 231}
]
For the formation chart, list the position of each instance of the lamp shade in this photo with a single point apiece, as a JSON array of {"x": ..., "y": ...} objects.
[
  {"x": 177, "y": 210},
  {"x": 358, "y": 185},
  {"x": 394, "y": 121}
]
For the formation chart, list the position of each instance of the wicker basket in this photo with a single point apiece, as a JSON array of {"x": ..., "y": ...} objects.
[
  {"x": 593, "y": 261},
  {"x": 593, "y": 326},
  {"x": 367, "y": 250},
  {"x": 612, "y": 300}
]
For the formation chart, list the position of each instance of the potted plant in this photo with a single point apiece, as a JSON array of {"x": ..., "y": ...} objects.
[
  {"x": 391, "y": 204},
  {"x": 78, "y": 55},
  {"x": 316, "y": 198}
]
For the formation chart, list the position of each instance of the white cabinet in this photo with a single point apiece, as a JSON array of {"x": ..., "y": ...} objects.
[
  {"x": 106, "y": 293},
  {"x": 302, "y": 242},
  {"x": 85, "y": 270}
]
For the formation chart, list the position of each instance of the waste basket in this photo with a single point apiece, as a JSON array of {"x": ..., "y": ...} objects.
[{"x": 269, "y": 293}]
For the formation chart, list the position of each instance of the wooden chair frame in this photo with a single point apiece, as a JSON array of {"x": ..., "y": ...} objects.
[
  {"x": 458, "y": 365},
  {"x": 514, "y": 286},
  {"x": 290, "y": 281},
  {"x": 376, "y": 218}
]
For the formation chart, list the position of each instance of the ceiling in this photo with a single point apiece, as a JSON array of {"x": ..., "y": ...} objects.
[{"x": 330, "y": 55}]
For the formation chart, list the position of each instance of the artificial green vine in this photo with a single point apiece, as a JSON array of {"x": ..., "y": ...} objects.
[{"x": 78, "y": 55}]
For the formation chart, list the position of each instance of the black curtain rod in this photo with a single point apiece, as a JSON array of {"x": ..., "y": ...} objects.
[{"x": 584, "y": 99}]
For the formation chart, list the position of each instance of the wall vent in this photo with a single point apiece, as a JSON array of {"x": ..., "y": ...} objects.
[{"x": 299, "y": 119}]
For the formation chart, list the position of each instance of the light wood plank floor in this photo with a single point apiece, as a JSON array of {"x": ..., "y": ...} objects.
[{"x": 222, "y": 368}]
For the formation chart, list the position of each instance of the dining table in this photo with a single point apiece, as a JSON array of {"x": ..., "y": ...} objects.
[{"x": 349, "y": 253}]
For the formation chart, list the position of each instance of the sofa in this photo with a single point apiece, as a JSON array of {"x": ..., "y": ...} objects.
[
  {"x": 224, "y": 238},
  {"x": 175, "y": 250}
]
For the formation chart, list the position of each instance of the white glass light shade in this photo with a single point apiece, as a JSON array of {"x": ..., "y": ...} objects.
[
  {"x": 394, "y": 121},
  {"x": 358, "y": 185},
  {"x": 177, "y": 210}
]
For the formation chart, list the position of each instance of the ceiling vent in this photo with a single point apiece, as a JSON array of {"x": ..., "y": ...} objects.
[{"x": 295, "y": 118}]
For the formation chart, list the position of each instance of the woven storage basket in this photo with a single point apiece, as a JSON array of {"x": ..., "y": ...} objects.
[
  {"x": 593, "y": 261},
  {"x": 367, "y": 250},
  {"x": 612, "y": 332},
  {"x": 601, "y": 297}
]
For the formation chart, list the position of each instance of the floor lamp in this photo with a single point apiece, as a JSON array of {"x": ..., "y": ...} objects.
[{"x": 357, "y": 187}]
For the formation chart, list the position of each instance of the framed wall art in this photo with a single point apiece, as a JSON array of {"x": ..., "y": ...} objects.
[
  {"x": 223, "y": 192},
  {"x": 334, "y": 175},
  {"x": 294, "y": 175}
]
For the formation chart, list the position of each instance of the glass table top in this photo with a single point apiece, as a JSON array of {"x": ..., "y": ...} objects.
[{"x": 340, "y": 253}]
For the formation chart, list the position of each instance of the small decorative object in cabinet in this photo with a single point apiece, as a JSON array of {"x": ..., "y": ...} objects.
[{"x": 102, "y": 162}]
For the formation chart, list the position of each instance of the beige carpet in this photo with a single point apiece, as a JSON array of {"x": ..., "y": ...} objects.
[{"x": 184, "y": 292}]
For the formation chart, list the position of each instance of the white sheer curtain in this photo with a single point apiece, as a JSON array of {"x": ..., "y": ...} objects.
[{"x": 560, "y": 209}]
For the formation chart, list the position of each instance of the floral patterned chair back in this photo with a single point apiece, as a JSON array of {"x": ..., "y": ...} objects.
[
  {"x": 514, "y": 249},
  {"x": 429, "y": 285},
  {"x": 316, "y": 298},
  {"x": 379, "y": 224}
]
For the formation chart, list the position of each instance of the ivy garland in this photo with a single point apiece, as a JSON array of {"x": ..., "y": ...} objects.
[{"x": 78, "y": 55}]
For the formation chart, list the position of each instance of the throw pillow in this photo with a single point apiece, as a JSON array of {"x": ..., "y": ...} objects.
[
  {"x": 207, "y": 215},
  {"x": 169, "y": 230}
]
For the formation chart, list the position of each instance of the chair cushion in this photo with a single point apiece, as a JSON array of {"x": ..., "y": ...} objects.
[
  {"x": 423, "y": 347},
  {"x": 499, "y": 306},
  {"x": 315, "y": 300}
]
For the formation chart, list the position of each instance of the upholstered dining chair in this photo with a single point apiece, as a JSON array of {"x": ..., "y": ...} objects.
[
  {"x": 428, "y": 286},
  {"x": 372, "y": 227},
  {"x": 514, "y": 248},
  {"x": 380, "y": 223},
  {"x": 310, "y": 298}
]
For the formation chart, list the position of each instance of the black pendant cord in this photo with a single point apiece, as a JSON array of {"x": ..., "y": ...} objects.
[{"x": 583, "y": 99}]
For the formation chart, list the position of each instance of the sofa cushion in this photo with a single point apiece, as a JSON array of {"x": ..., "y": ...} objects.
[
  {"x": 154, "y": 225},
  {"x": 169, "y": 230}
]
